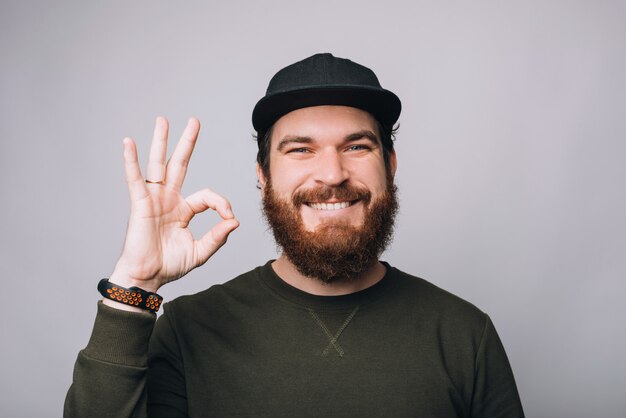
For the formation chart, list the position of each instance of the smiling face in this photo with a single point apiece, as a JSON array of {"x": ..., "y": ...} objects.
[
  {"x": 329, "y": 198},
  {"x": 329, "y": 161}
]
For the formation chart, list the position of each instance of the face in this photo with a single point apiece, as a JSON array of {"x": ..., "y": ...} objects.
[
  {"x": 334, "y": 150},
  {"x": 329, "y": 199}
]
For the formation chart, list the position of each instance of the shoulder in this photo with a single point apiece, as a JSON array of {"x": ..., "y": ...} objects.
[
  {"x": 423, "y": 298},
  {"x": 237, "y": 293}
]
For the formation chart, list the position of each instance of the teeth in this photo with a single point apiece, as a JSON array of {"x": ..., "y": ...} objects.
[{"x": 329, "y": 206}]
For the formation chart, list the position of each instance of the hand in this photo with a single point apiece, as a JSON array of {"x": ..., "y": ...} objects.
[{"x": 159, "y": 246}]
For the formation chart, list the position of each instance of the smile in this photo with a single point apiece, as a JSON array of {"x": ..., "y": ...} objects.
[{"x": 329, "y": 206}]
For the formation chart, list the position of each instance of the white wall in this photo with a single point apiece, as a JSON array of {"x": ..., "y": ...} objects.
[{"x": 511, "y": 165}]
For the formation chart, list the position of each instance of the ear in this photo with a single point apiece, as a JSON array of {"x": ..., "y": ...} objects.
[
  {"x": 260, "y": 176},
  {"x": 393, "y": 162}
]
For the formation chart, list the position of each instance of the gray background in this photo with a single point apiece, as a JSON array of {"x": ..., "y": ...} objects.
[{"x": 511, "y": 165}]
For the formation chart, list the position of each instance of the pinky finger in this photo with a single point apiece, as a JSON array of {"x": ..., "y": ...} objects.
[{"x": 134, "y": 179}]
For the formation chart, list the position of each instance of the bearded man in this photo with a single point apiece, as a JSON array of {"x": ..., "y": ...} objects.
[{"x": 326, "y": 329}]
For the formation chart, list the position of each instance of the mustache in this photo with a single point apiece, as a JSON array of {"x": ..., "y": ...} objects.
[{"x": 344, "y": 192}]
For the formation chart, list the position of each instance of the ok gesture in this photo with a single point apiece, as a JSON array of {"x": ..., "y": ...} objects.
[{"x": 159, "y": 246}]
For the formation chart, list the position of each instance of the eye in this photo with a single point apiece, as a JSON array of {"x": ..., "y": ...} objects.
[
  {"x": 358, "y": 147},
  {"x": 298, "y": 150}
]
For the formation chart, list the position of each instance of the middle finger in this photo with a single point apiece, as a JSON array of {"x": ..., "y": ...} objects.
[{"x": 158, "y": 151}]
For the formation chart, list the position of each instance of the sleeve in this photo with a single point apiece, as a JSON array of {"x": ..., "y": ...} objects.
[
  {"x": 495, "y": 392},
  {"x": 167, "y": 392},
  {"x": 110, "y": 373}
]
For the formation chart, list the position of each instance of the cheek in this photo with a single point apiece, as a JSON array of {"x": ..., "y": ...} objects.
[
  {"x": 286, "y": 178},
  {"x": 374, "y": 177}
]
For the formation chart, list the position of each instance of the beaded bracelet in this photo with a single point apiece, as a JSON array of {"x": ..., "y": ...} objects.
[{"x": 132, "y": 296}]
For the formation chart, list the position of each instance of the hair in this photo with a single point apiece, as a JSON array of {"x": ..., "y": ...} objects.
[{"x": 264, "y": 140}]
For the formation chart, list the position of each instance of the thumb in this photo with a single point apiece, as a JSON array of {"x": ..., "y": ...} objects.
[{"x": 214, "y": 239}]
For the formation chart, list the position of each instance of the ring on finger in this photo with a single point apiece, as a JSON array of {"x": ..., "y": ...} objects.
[{"x": 162, "y": 182}]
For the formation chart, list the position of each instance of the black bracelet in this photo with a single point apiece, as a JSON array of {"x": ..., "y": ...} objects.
[{"x": 132, "y": 296}]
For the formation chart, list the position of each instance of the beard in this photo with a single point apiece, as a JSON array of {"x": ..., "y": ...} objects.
[{"x": 335, "y": 250}]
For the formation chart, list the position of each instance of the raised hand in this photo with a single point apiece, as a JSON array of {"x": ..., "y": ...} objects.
[{"x": 159, "y": 246}]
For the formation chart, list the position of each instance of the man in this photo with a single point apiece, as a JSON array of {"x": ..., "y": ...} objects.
[{"x": 326, "y": 329}]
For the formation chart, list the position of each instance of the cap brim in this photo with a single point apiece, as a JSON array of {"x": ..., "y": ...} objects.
[{"x": 380, "y": 103}]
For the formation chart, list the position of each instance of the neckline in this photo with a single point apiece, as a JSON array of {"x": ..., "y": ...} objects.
[{"x": 291, "y": 294}]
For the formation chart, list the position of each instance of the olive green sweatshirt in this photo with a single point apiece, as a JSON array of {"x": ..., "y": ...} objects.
[{"x": 257, "y": 347}]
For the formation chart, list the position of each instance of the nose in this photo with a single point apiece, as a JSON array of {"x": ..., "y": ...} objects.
[{"x": 330, "y": 169}]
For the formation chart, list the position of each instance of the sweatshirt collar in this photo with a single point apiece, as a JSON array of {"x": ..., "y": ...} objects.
[{"x": 285, "y": 291}]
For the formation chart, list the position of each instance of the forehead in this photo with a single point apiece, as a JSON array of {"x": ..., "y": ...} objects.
[{"x": 321, "y": 122}]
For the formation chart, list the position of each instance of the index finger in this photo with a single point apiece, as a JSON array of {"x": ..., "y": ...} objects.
[{"x": 177, "y": 165}]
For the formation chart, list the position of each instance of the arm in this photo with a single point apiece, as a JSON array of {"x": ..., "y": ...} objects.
[
  {"x": 495, "y": 391},
  {"x": 110, "y": 374}
]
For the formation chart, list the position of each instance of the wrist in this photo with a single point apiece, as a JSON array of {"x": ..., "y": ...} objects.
[{"x": 125, "y": 280}]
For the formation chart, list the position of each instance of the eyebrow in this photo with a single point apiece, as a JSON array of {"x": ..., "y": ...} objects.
[
  {"x": 293, "y": 140},
  {"x": 366, "y": 133}
]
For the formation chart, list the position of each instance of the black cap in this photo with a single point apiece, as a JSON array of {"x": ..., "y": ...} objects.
[{"x": 323, "y": 79}]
